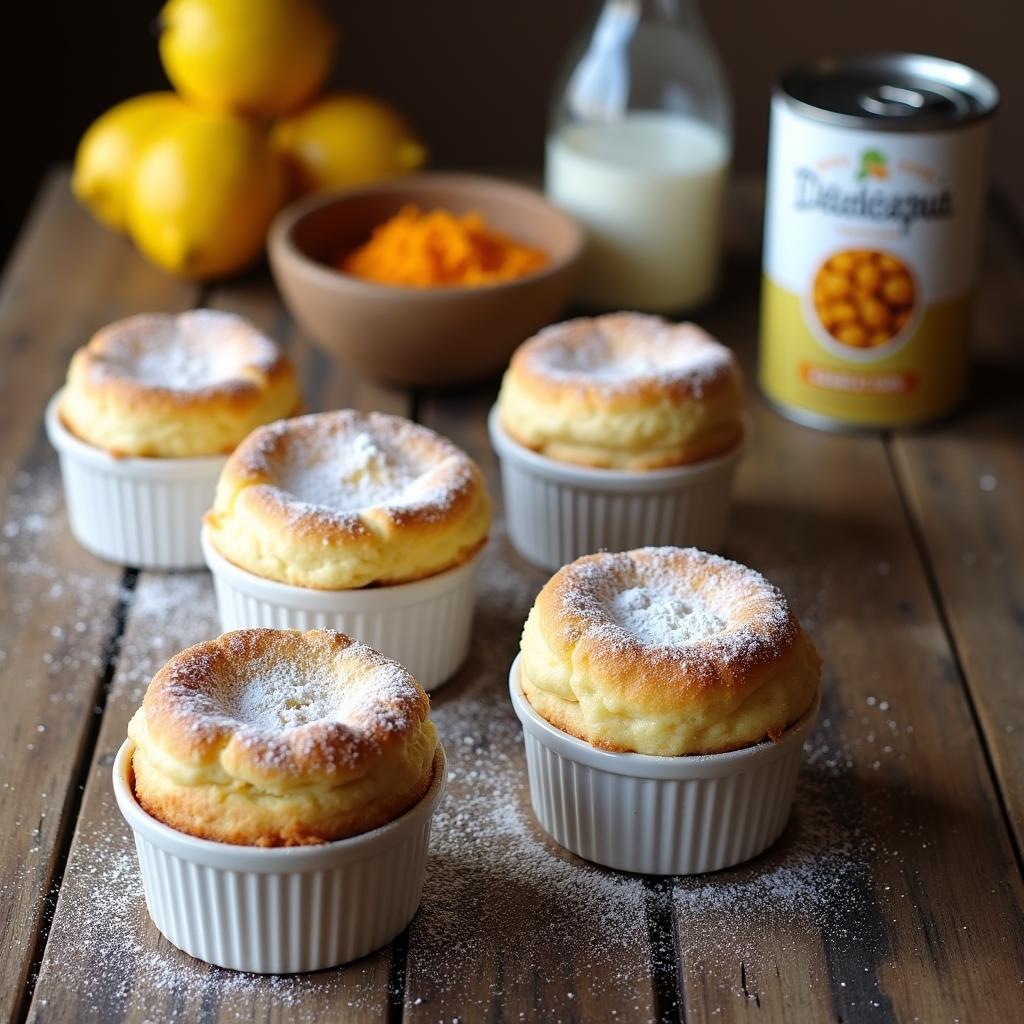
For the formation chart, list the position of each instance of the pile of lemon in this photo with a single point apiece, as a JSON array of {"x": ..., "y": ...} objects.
[{"x": 196, "y": 176}]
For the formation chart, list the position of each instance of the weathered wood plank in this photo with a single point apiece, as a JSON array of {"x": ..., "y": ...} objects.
[
  {"x": 963, "y": 481},
  {"x": 893, "y": 895},
  {"x": 101, "y": 931},
  {"x": 879, "y": 903},
  {"x": 512, "y": 927},
  {"x": 58, "y": 605}
]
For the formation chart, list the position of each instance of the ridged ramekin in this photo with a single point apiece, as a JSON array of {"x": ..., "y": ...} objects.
[
  {"x": 659, "y": 815},
  {"x": 286, "y": 910},
  {"x": 133, "y": 511},
  {"x": 425, "y": 626},
  {"x": 557, "y": 512}
]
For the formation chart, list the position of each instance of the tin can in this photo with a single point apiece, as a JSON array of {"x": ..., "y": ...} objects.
[{"x": 876, "y": 180}]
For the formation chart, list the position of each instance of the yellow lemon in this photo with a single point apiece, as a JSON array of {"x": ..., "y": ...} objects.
[
  {"x": 345, "y": 140},
  {"x": 109, "y": 149},
  {"x": 203, "y": 193},
  {"x": 247, "y": 56}
]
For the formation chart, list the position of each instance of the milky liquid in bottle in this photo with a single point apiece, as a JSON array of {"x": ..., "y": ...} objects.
[
  {"x": 649, "y": 190},
  {"x": 638, "y": 152}
]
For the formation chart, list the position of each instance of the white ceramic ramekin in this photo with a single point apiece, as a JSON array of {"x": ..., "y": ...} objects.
[
  {"x": 557, "y": 512},
  {"x": 659, "y": 815},
  {"x": 139, "y": 512},
  {"x": 425, "y": 625},
  {"x": 281, "y": 911}
]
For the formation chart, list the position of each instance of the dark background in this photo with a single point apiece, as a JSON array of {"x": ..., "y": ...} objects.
[{"x": 476, "y": 76}]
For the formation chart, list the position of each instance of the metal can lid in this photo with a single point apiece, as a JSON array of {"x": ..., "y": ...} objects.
[{"x": 890, "y": 92}]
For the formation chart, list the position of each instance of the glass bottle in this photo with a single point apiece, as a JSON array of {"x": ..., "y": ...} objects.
[{"x": 638, "y": 150}]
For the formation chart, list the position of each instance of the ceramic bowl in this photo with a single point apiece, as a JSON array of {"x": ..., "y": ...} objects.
[{"x": 421, "y": 337}]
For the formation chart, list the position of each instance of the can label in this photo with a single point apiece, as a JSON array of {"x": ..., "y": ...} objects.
[{"x": 870, "y": 249}]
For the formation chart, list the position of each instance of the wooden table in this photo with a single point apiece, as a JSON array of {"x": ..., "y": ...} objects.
[{"x": 895, "y": 893}]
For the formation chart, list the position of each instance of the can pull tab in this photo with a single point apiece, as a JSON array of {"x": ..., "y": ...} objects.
[{"x": 901, "y": 101}]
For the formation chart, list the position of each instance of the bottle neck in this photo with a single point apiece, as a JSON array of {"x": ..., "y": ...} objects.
[
  {"x": 646, "y": 54},
  {"x": 683, "y": 13}
]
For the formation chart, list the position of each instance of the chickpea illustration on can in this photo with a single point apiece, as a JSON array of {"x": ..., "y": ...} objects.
[{"x": 876, "y": 180}]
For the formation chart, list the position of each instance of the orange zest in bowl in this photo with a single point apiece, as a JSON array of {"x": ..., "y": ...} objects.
[{"x": 418, "y": 249}]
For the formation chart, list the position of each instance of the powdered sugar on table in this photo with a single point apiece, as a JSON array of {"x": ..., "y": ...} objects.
[{"x": 492, "y": 873}]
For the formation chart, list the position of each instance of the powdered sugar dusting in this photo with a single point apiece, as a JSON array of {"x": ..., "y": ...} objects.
[
  {"x": 285, "y": 695},
  {"x": 663, "y": 618},
  {"x": 119, "y": 958},
  {"x": 192, "y": 351},
  {"x": 180, "y": 367},
  {"x": 334, "y": 466},
  {"x": 169, "y": 612},
  {"x": 505, "y": 912},
  {"x": 292, "y": 701},
  {"x": 39, "y": 597},
  {"x": 360, "y": 473},
  {"x": 618, "y": 350},
  {"x": 496, "y": 888},
  {"x": 102, "y": 935},
  {"x": 293, "y": 684},
  {"x": 813, "y": 875},
  {"x": 700, "y": 610}
]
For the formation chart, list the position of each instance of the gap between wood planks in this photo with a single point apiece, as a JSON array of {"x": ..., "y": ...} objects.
[
  {"x": 941, "y": 611},
  {"x": 1006, "y": 215},
  {"x": 79, "y": 777},
  {"x": 666, "y": 964}
]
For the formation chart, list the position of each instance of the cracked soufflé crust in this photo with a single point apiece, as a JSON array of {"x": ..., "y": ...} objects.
[
  {"x": 268, "y": 737},
  {"x": 666, "y": 651},
  {"x": 194, "y": 384},
  {"x": 623, "y": 391},
  {"x": 341, "y": 500}
]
